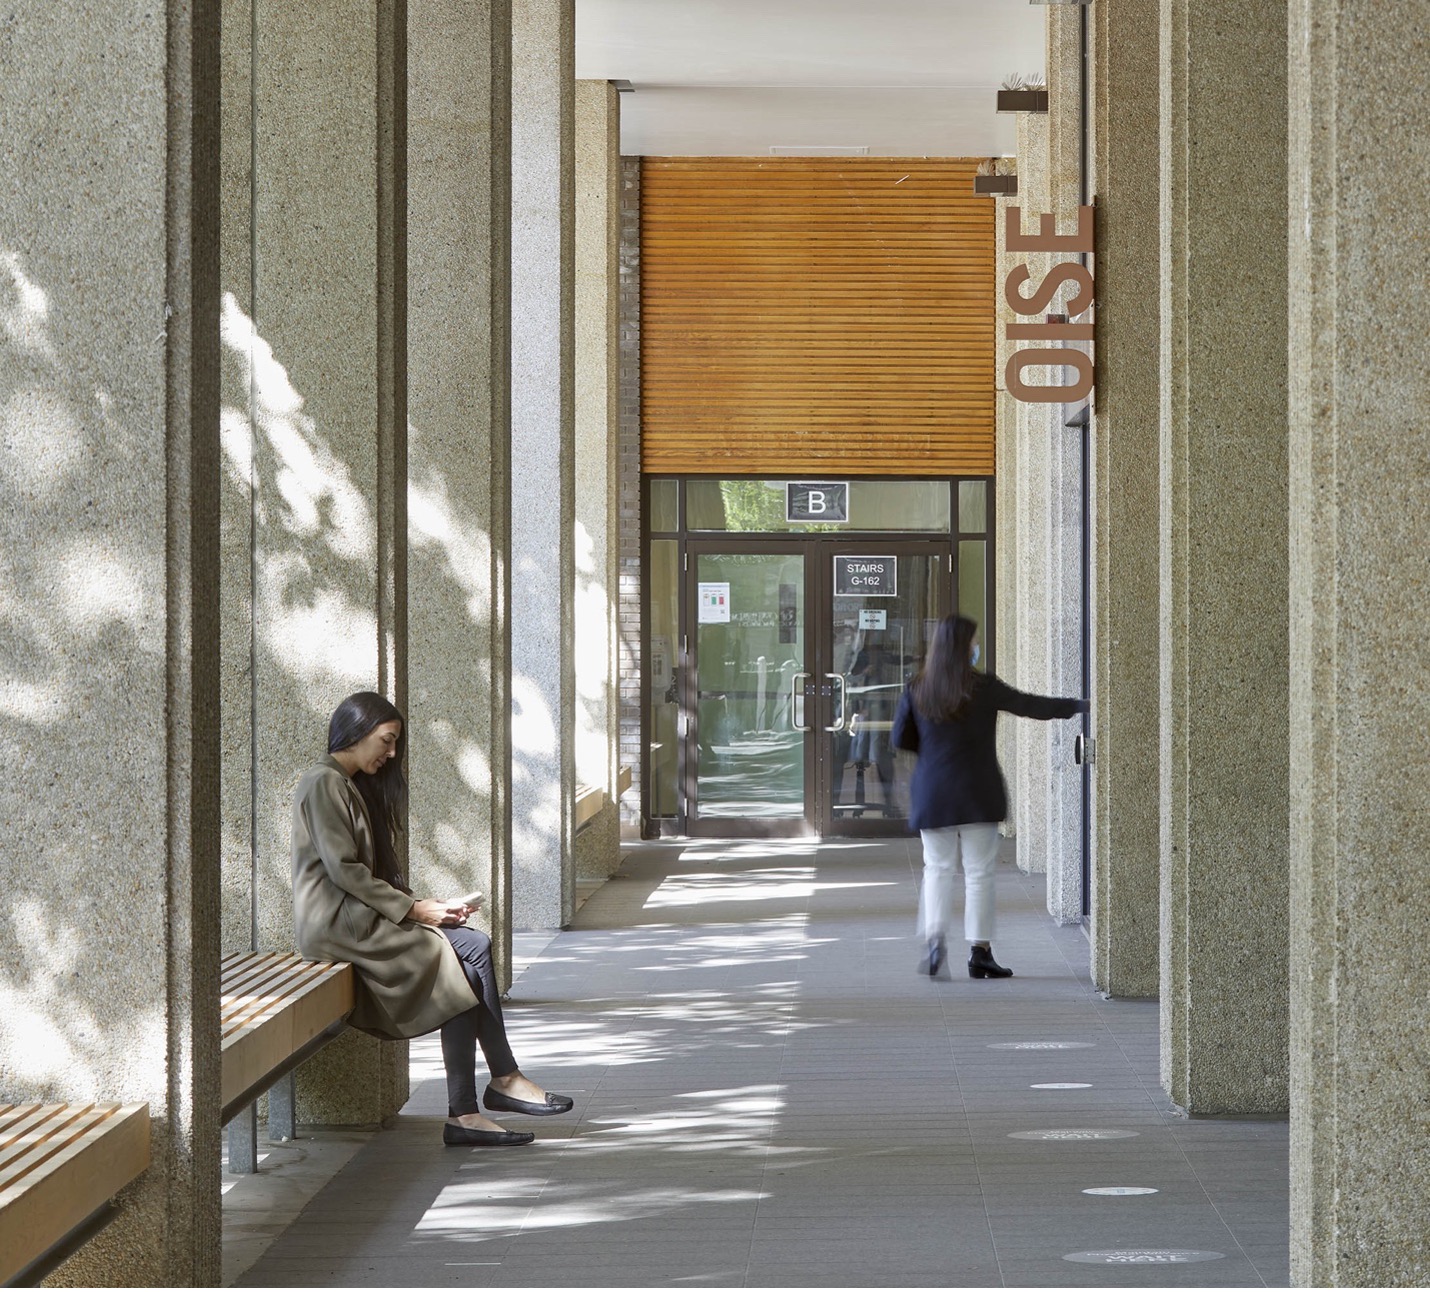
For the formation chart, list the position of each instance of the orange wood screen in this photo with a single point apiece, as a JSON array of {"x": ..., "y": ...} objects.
[{"x": 816, "y": 316}]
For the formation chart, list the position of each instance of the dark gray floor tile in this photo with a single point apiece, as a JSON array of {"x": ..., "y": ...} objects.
[{"x": 784, "y": 1102}]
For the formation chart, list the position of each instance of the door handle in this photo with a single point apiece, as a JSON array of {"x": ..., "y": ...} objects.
[
  {"x": 794, "y": 700},
  {"x": 838, "y": 677},
  {"x": 1084, "y": 750}
]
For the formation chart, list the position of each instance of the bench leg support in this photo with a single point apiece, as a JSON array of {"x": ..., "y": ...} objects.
[
  {"x": 281, "y": 1099},
  {"x": 243, "y": 1142}
]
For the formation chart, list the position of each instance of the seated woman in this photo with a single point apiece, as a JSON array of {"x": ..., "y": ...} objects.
[{"x": 418, "y": 966}]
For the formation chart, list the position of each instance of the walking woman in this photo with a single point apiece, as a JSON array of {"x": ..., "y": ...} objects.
[
  {"x": 418, "y": 966},
  {"x": 947, "y": 716}
]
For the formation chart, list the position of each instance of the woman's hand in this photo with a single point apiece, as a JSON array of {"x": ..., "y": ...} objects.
[{"x": 426, "y": 910}]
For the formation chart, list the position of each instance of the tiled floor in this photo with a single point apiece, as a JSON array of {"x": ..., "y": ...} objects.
[{"x": 768, "y": 1094}]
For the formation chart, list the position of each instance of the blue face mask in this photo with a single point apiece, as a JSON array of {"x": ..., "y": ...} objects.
[{"x": 977, "y": 651}]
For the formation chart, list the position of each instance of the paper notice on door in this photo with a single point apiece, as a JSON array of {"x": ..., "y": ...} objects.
[
  {"x": 873, "y": 618},
  {"x": 714, "y": 603}
]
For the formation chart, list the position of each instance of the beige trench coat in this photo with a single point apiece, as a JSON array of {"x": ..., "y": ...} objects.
[{"x": 409, "y": 979}]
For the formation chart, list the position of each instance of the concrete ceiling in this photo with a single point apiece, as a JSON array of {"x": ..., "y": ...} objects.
[{"x": 901, "y": 78}]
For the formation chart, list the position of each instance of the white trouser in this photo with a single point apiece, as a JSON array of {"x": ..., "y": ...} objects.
[{"x": 974, "y": 849}]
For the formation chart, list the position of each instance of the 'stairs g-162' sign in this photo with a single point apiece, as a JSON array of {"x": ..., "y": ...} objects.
[{"x": 1062, "y": 356}]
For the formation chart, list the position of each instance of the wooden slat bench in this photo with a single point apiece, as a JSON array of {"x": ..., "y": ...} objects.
[
  {"x": 590, "y": 799},
  {"x": 60, "y": 1164},
  {"x": 278, "y": 1010}
]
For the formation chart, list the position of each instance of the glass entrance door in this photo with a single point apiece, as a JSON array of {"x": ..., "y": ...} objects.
[
  {"x": 747, "y": 756},
  {"x": 796, "y": 657},
  {"x": 878, "y": 614}
]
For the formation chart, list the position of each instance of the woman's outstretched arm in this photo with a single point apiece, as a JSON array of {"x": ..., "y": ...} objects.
[{"x": 1043, "y": 707}]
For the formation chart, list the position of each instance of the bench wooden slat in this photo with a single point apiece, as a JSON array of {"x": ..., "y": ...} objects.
[
  {"x": 42, "y": 1131},
  {"x": 273, "y": 1005},
  {"x": 590, "y": 799},
  {"x": 62, "y": 1162},
  {"x": 265, "y": 971},
  {"x": 250, "y": 998}
]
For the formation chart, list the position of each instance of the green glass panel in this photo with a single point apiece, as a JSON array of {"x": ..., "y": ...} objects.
[
  {"x": 663, "y": 698},
  {"x": 878, "y": 644},
  {"x": 973, "y": 584},
  {"x": 758, "y": 507},
  {"x": 664, "y": 506},
  {"x": 750, "y": 647},
  {"x": 973, "y": 506}
]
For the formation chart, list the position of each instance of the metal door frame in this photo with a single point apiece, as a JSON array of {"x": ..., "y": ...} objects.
[
  {"x": 818, "y": 552},
  {"x": 688, "y": 804},
  {"x": 944, "y": 547}
]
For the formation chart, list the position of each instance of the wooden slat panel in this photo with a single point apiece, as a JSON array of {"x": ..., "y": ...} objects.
[
  {"x": 59, "y": 1163},
  {"x": 272, "y": 1004},
  {"x": 808, "y": 315},
  {"x": 590, "y": 799}
]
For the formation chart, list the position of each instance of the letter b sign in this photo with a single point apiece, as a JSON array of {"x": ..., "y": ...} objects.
[{"x": 819, "y": 501}]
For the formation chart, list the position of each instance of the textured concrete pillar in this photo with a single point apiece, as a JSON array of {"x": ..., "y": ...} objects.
[
  {"x": 458, "y": 249},
  {"x": 1360, "y": 623},
  {"x": 542, "y": 457},
  {"x": 598, "y": 411},
  {"x": 1124, "y": 164},
  {"x": 237, "y": 495},
  {"x": 1062, "y": 613},
  {"x": 1027, "y": 506},
  {"x": 314, "y": 448},
  {"x": 1045, "y": 500},
  {"x": 109, "y": 703},
  {"x": 1223, "y": 555},
  {"x": 628, "y": 455}
]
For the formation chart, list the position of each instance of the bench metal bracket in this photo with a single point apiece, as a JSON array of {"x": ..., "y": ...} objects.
[{"x": 240, "y": 1113}]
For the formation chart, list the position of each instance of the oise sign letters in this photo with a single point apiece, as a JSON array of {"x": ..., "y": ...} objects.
[{"x": 1046, "y": 239}]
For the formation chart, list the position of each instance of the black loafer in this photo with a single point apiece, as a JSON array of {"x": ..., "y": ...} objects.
[
  {"x": 497, "y": 1102},
  {"x": 460, "y": 1136}
]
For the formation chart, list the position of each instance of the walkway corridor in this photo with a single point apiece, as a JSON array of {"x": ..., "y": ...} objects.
[{"x": 768, "y": 1094}]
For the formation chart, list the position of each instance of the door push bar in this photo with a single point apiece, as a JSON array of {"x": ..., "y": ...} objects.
[{"x": 794, "y": 698}]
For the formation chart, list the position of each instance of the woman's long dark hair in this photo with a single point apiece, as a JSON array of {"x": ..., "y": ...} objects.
[
  {"x": 944, "y": 684},
  {"x": 385, "y": 792}
]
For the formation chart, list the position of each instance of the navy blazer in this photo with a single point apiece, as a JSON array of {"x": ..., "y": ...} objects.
[{"x": 957, "y": 780}]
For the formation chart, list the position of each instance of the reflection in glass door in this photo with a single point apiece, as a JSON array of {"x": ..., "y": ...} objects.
[
  {"x": 747, "y": 762},
  {"x": 877, "y": 633}
]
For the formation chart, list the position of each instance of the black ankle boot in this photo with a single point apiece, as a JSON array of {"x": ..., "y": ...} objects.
[
  {"x": 936, "y": 955},
  {"x": 981, "y": 964}
]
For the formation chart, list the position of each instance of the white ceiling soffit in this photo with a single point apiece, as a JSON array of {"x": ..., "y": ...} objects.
[{"x": 737, "y": 77}]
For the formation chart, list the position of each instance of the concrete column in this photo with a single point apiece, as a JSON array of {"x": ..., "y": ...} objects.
[
  {"x": 1044, "y": 499},
  {"x": 1223, "y": 555},
  {"x": 1027, "y": 505},
  {"x": 598, "y": 412},
  {"x": 1124, "y": 165},
  {"x": 109, "y": 712},
  {"x": 458, "y": 312},
  {"x": 237, "y": 494},
  {"x": 542, "y": 456},
  {"x": 630, "y": 626},
  {"x": 1360, "y": 610},
  {"x": 314, "y": 447},
  {"x": 1062, "y": 613}
]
